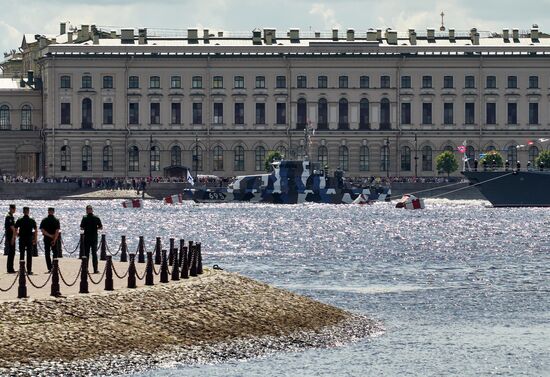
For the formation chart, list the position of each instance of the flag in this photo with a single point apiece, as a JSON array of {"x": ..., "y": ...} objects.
[
  {"x": 530, "y": 142},
  {"x": 462, "y": 149},
  {"x": 190, "y": 179},
  {"x": 172, "y": 199},
  {"x": 133, "y": 203},
  {"x": 543, "y": 140}
]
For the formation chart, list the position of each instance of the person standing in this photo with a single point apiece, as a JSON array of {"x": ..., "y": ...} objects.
[
  {"x": 90, "y": 224},
  {"x": 9, "y": 238},
  {"x": 50, "y": 228},
  {"x": 28, "y": 234}
]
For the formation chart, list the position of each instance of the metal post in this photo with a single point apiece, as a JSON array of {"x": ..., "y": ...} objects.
[
  {"x": 132, "y": 272},
  {"x": 141, "y": 250},
  {"x": 149, "y": 278},
  {"x": 103, "y": 248},
  {"x": 56, "y": 289},
  {"x": 193, "y": 270},
  {"x": 150, "y": 159},
  {"x": 199, "y": 259},
  {"x": 185, "y": 265},
  {"x": 164, "y": 268},
  {"x": 109, "y": 286},
  {"x": 84, "y": 276},
  {"x": 196, "y": 158},
  {"x": 158, "y": 258},
  {"x": 388, "y": 157},
  {"x": 181, "y": 252},
  {"x": 415, "y": 156},
  {"x": 22, "y": 290},
  {"x": 171, "y": 252},
  {"x": 123, "y": 249}
]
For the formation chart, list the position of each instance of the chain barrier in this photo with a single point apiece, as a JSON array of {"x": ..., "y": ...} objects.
[
  {"x": 75, "y": 280},
  {"x": 39, "y": 286},
  {"x": 142, "y": 276},
  {"x": 65, "y": 247},
  {"x": 12, "y": 284},
  {"x": 109, "y": 249},
  {"x": 117, "y": 275},
  {"x": 100, "y": 279},
  {"x": 155, "y": 270}
]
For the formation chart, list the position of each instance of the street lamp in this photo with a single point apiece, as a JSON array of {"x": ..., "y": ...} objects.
[
  {"x": 387, "y": 157},
  {"x": 415, "y": 156},
  {"x": 150, "y": 156},
  {"x": 196, "y": 157}
]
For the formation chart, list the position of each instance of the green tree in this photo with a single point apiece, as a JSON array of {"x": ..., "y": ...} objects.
[
  {"x": 272, "y": 156},
  {"x": 492, "y": 158},
  {"x": 543, "y": 156},
  {"x": 446, "y": 162}
]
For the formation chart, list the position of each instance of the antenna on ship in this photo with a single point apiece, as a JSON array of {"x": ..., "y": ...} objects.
[{"x": 442, "y": 28}]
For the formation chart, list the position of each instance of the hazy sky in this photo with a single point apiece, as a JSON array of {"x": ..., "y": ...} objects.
[{"x": 43, "y": 16}]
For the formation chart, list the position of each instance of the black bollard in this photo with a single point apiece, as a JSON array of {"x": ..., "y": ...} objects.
[
  {"x": 193, "y": 269},
  {"x": 22, "y": 290},
  {"x": 81, "y": 245},
  {"x": 109, "y": 286},
  {"x": 103, "y": 248},
  {"x": 132, "y": 272},
  {"x": 158, "y": 257},
  {"x": 123, "y": 249},
  {"x": 199, "y": 258},
  {"x": 56, "y": 289},
  {"x": 175, "y": 267},
  {"x": 185, "y": 265},
  {"x": 149, "y": 273},
  {"x": 181, "y": 251},
  {"x": 141, "y": 250},
  {"x": 189, "y": 253},
  {"x": 84, "y": 276},
  {"x": 164, "y": 268},
  {"x": 171, "y": 252}
]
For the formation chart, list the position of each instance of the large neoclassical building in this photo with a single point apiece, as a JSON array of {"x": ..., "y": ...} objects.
[{"x": 135, "y": 102}]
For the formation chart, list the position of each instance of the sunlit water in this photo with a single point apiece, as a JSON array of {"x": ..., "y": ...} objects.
[{"x": 461, "y": 289}]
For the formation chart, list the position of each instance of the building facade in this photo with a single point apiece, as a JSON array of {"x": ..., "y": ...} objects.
[{"x": 121, "y": 103}]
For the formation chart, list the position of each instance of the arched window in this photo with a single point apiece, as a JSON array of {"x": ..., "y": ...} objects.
[
  {"x": 175, "y": 156},
  {"x": 155, "y": 158},
  {"x": 65, "y": 158},
  {"x": 364, "y": 158},
  {"x": 133, "y": 159},
  {"x": 448, "y": 148},
  {"x": 197, "y": 158},
  {"x": 282, "y": 150},
  {"x": 384, "y": 158},
  {"x": 322, "y": 156},
  {"x": 322, "y": 114},
  {"x": 5, "y": 123},
  {"x": 364, "y": 121},
  {"x": 343, "y": 118},
  {"x": 26, "y": 117},
  {"x": 86, "y": 158},
  {"x": 533, "y": 153},
  {"x": 259, "y": 158},
  {"x": 87, "y": 113},
  {"x": 490, "y": 148},
  {"x": 427, "y": 164},
  {"x": 301, "y": 114},
  {"x": 107, "y": 158},
  {"x": 239, "y": 159},
  {"x": 343, "y": 158},
  {"x": 385, "y": 114},
  {"x": 405, "y": 158},
  {"x": 217, "y": 158},
  {"x": 512, "y": 156}
]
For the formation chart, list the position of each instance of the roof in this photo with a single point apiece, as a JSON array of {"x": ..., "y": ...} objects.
[{"x": 11, "y": 84}]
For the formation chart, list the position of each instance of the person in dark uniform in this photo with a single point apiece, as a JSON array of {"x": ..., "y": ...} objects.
[
  {"x": 28, "y": 234},
  {"x": 507, "y": 165},
  {"x": 90, "y": 224},
  {"x": 518, "y": 166},
  {"x": 541, "y": 165},
  {"x": 475, "y": 164},
  {"x": 9, "y": 238},
  {"x": 50, "y": 228}
]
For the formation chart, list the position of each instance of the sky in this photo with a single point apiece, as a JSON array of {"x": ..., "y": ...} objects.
[{"x": 43, "y": 16}]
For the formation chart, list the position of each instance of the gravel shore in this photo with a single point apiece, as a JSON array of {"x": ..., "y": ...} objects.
[{"x": 219, "y": 316}]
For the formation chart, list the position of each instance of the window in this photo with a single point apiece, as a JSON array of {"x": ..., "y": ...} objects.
[
  {"x": 364, "y": 158},
  {"x": 260, "y": 82},
  {"x": 175, "y": 113},
  {"x": 322, "y": 114},
  {"x": 175, "y": 156},
  {"x": 239, "y": 159},
  {"x": 343, "y": 82},
  {"x": 197, "y": 113},
  {"x": 427, "y": 164},
  {"x": 512, "y": 154},
  {"x": 197, "y": 158},
  {"x": 343, "y": 158},
  {"x": 405, "y": 158},
  {"x": 239, "y": 113},
  {"x": 86, "y": 158},
  {"x": 108, "y": 82},
  {"x": 65, "y": 82},
  {"x": 490, "y": 148},
  {"x": 86, "y": 82},
  {"x": 301, "y": 114},
  {"x": 107, "y": 113},
  {"x": 533, "y": 153},
  {"x": 533, "y": 82},
  {"x": 469, "y": 82},
  {"x": 65, "y": 113},
  {"x": 133, "y": 159},
  {"x": 512, "y": 82},
  {"x": 133, "y": 82},
  {"x": 175, "y": 82},
  {"x": 281, "y": 113},
  {"x": 155, "y": 112},
  {"x": 87, "y": 113},
  {"x": 385, "y": 82},
  {"x": 385, "y": 158},
  {"x": 217, "y": 158},
  {"x": 107, "y": 158},
  {"x": 280, "y": 82},
  {"x": 5, "y": 123},
  {"x": 154, "y": 158},
  {"x": 26, "y": 117},
  {"x": 491, "y": 82},
  {"x": 218, "y": 113},
  {"x": 154, "y": 82},
  {"x": 448, "y": 113},
  {"x": 133, "y": 113},
  {"x": 343, "y": 116},
  {"x": 322, "y": 82},
  {"x": 469, "y": 113},
  {"x": 405, "y": 113},
  {"x": 364, "y": 121},
  {"x": 364, "y": 82},
  {"x": 322, "y": 156},
  {"x": 217, "y": 82},
  {"x": 426, "y": 82},
  {"x": 259, "y": 158},
  {"x": 448, "y": 148},
  {"x": 533, "y": 113},
  {"x": 260, "y": 113},
  {"x": 448, "y": 82},
  {"x": 302, "y": 82},
  {"x": 406, "y": 82},
  {"x": 196, "y": 82},
  {"x": 491, "y": 113},
  {"x": 238, "y": 82},
  {"x": 427, "y": 113},
  {"x": 65, "y": 158},
  {"x": 512, "y": 113},
  {"x": 385, "y": 114}
]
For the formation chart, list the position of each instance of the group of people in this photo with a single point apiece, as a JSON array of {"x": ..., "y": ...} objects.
[{"x": 26, "y": 229}]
